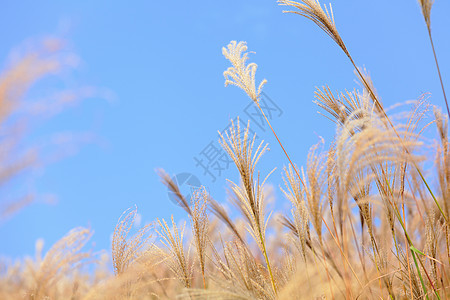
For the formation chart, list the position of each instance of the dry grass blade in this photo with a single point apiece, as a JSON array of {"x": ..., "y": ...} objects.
[
  {"x": 242, "y": 273},
  {"x": 386, "y": 236},
  {"x": 200, "y": 225},
  {"x": 308, "y": 197},
  {"x": 241, "y": 75},
  {"x": 179, "y": 263},
  {"x": 244, "y": 77},
  {"x": 426, "y": 5},
  {"x": 240, "y": 149},
  {"x": 311, "y": 9},
  {"x": 19, "y": 78},
  {"x": 126, "y": 250},
  {"x": 369, "y": 88},
  {"x": 64, "y": 256},
  {"x": 300, "y": 224},
  {"x": 222, "y": 214},
  {"x": 249, "y": 196},
  {"x": 173, "y": 187},
  {"x": 11, "y": 207},
  {"x": 442, "y": 159},
  {"x": 338, "y": 109},
  {"x": 16, "y": 114},
  {"x": 313, "y": 191}
]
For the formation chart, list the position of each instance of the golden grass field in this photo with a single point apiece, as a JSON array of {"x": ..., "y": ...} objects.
[{"x": 365, "y": 221}]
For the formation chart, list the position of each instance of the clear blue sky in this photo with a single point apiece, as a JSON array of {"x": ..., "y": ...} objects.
[{"x": 162, "y": 60}]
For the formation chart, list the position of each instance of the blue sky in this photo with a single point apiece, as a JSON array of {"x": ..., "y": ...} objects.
[{"x": 163, "y": 63}]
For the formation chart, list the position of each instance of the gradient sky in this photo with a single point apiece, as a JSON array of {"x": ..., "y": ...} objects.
[{"x": 163, "y": 64}]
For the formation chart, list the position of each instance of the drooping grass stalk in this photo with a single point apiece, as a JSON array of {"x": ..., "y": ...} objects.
[
  {"x": 243, "y": 76},
  {"x": 304, "y": 185},
  {"x": 426, "y": 6},
  {"x": 312, "y": 10},
  {"x": 374, "y": 97},
  {"x": 327, "y": 24},
  {"x": 369, "y": 88},
  {"x": 249, "y": 195}
]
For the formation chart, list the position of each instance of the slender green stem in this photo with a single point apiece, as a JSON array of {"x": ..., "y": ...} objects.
[
  {"x": 425, "y": 270},
  {"x": 418, "y": 271}
]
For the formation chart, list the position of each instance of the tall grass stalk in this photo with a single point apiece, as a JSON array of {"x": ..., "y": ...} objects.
[{"x": 363, "y": 222}]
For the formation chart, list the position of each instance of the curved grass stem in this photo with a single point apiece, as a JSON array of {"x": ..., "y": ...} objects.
[
  {"x": 379, "y": 106},
  {"x": 439, "y": 71}
]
